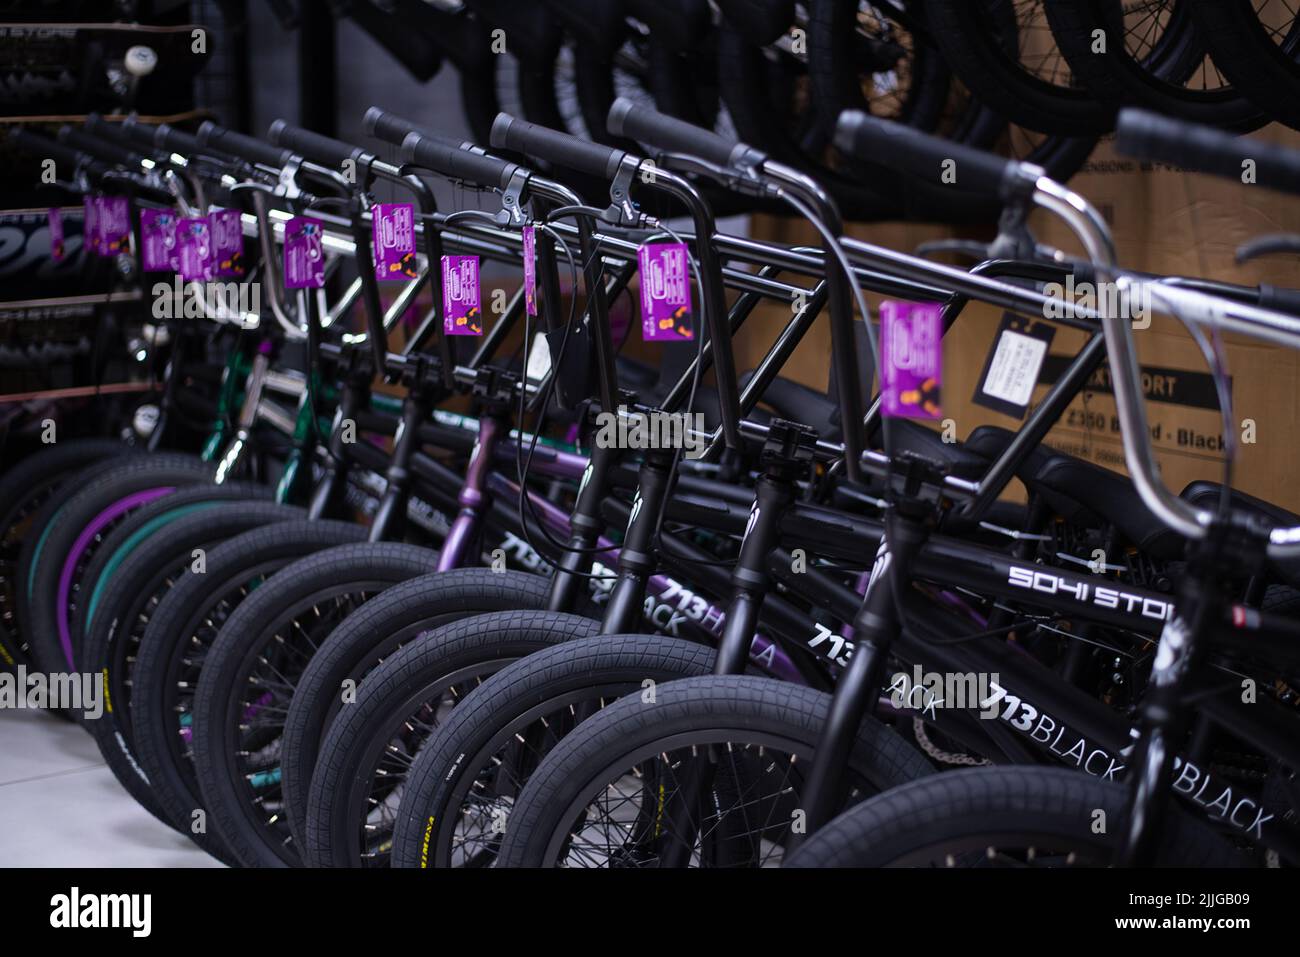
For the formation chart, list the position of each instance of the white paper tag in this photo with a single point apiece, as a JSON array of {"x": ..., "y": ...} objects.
[
  {"x": 539, "y": 358},
  {"x": 1013, "y": 373}
]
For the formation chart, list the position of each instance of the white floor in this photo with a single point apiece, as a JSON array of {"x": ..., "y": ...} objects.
[{"x": 60, "y": 805}]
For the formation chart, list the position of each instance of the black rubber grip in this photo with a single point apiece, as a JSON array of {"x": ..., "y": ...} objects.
[
  {"x": 451, "y": 161},
  {"x": 394, "y": 129},
  {"x": 1149, "y": 136},
  {"x": 672, "y": 135},
  {"x": 144, "y": 135},
  {"x": 34, "y": 144},
  {"x": 930, "y": 158},
  {"x": 187, "y": 145},
  {"x": 245, "y": 147},
  {"x": 117, "y": 133},
  {"x": 553, "y": 146},
  {"x": 312, "y": 146},
  {"x": 107, "y": 150}
]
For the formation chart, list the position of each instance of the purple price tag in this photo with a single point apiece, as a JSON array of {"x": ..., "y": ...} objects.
[
  {"x": 56, "y": 235},
  {"x": 114, "y": 221},
  {"x": 530, "y": 270},
  {"x": 911, "y": 346},
  {"x": 194, "y": 249},
  {"x": 90, "y": 229},
  {"x": 664, "y": 273},
  {"x": 227, "y": 243},
  {"x": 158, "y": 252},
  {"x": 462, "y": 305},
  {"x": 304, "y": 254},
  {"x": 394, "y": 240}
]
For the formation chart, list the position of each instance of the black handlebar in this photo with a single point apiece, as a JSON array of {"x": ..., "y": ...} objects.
[
  {"x": 394, "y": 129},
  {"x": 670, "y": 134},
  {"x": 109, "y": 151},
  {"x": 450, "y": 160},
  {"x": 245, "y": 147},
  {"x": 43, "y": 146},
  {"x": 911, "y": 152},
  {"x": 128, "y": 138},
  {"x": 1150, "y": 136},
  {"x": 555, "y": 147},
  {"x": 313, "y": 146}
]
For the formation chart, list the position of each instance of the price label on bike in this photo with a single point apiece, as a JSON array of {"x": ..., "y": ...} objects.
[
  {"x": 158, "y": 252},
  {"x": 194, "y": 249},
  {"x": 1012, "y": 367},
  {"x": 393, "y": 227},
  {"x": 114, "y": 223},
  {"x": 227, "y": 243},
  {"x": 663, "y": 270},
  {"x": 304, "y": 253},
  {"x": 911, "y": 354},
  {"x": 90, "y": 223},
  {"x": 56, "y": 234},
  {"x": 462, "y": 303},
  {"x": 530, "y": 269}
]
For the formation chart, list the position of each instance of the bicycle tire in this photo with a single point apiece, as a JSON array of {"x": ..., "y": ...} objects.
[
  {"x": 1120, "y": 79},
  {"x": 366, "y": 638},
  {"x": 970, "y": 807},
  {"x": 23, "y": 489},
  {"x": 1266, "y": 72},
  {"x": 51, "y": 567},
  {"x": 177, "y": 630},
  {"x": 260, "y": 628},
  {"x": 603, "y": 667},
  {"x": 463, "y": 651},
  {"x": 969, "y": 33},
  {"x": 140, "y": 581},
  {"x": 689, "y": 711}
]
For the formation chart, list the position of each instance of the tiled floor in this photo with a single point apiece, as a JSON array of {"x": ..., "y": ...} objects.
[{"x": 60, "y": 806}]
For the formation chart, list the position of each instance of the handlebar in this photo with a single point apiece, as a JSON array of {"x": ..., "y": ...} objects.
[
  {"x": 511, "y": 133},
  {"x": 450, "y": 160},
  {"x": 1149, "y": 136},
  {"x": 671, "y": 134},
  {"x": 244, "y": 147},
  {"x": 324, "y": 150}
]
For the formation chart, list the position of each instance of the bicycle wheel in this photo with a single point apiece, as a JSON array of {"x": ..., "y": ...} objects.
[
  {"x": 1000, "y": 817},
  {"x": 370, "y": 635},
  {"x": 176, "y": 642},
  {"x": 248, "y": 682},
  {"x": 1153, "y": 57},
  {"x": 458, "y": 794},
  {"x": 708, "y": 774},
  {"x": 53, "y": 567},
  {"x": 1256, "y": 43},
  {"x": 139, "y": 584},
  {"x": 23, "y": 490},
  {"x": 1028, "y": 82},
  {"x": 357, "y": 784}
]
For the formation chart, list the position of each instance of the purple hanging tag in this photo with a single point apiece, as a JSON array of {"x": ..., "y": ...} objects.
[
  {"x": 194, "y": 249},
  {"x": 462, "y": 307},
  {"x": 304, "y": 254},
  {"x": 664, "y": 273},
  {"x": 90, "y": 227},
  {"x": 911, "y": 347},
  {"x": 114, "y": 220},
  {"x": 227, "y": 243},
  {"x": 393, "y": 225},
  {"x": 158, "y": 252},
  {"x": 530, "y": 270},
  {"x": 56, "y": 234}
]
